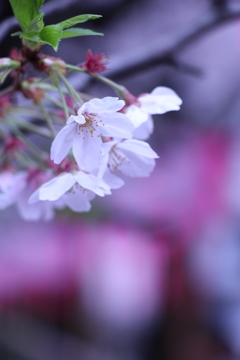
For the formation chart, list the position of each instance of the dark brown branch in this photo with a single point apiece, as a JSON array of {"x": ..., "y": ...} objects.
[{"x": 166, "y": 54}]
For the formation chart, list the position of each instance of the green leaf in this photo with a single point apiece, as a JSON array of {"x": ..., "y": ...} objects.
[
  {"x": 25, "y": 11},
  {"x": 77, "y": 20},
  {"x": 78, "y": 32},
  {"x": 31, "y": 37},
  {"x": 40, "y": 2},
  {"x": 51, "y": 35},
  {"x": 36, "y": 24}
]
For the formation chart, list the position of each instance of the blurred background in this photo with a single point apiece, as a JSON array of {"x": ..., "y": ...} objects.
[{"x": 153, "y": 271}]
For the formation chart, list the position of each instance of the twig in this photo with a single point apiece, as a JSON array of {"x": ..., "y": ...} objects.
[
  {"x": 47, "y": 118},
  {"x": 171, "y": 47}
]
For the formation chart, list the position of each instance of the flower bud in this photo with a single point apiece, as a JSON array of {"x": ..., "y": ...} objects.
[
  {"x": 12, "y": 146},
  {"x": 31, "y": 90},
  {"x": 6, "y": 63},
  {"x": 94, "y": 63},
  {"x": 49, "y": 64}
]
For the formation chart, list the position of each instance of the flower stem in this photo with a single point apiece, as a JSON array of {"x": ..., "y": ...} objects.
[
  {"x": 64, "y": 104},
  {"x": 47, "y": 118},
  {"x": 118, "y": 88},
  {"x": 39, "y": 154},
  {"x": 72, "y": 92},
  {"x": 75, "y": 68},
  {"x": 59, "y": 104},
  {"x": 30, "y": 127}
]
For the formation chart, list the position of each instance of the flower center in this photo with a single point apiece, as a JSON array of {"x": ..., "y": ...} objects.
[
  {"x": 75, "y": 188},
  {"x": 90, "y": 127},
  {"x": 116, "y": 159}
]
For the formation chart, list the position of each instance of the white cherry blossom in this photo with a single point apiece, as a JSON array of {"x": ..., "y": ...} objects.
[
  {"x": 83, "y": 132},
  {"x": 75, "y": 190},
  {"x": 11, "y": 185},
  {"x": 132, "y": 157},
  {"x": 160, "y": 101},
  {"x": 15, "y": 189}
]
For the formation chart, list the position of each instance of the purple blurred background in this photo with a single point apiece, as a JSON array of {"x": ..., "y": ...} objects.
[{"x": 153, "y": 271}]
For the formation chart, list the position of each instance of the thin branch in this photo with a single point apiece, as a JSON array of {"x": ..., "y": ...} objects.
[
  {"x": 170, "y": 47},
  {"x": 11, "y": 88},
  {"x": 47, "y": 118}
]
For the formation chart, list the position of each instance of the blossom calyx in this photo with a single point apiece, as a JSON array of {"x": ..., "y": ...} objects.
[
  {"x": 31, "y": 90},
  {"x": 7, "y": 63},
  {"x": 50, "y": 64}
]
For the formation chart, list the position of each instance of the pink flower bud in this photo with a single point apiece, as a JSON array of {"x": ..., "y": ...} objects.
[
  {"x": 31, "y": 90},
  {"x": 49, "y": 64},
  {"x": 13, "y": 146},
  {"x": 94, "y": 63}
]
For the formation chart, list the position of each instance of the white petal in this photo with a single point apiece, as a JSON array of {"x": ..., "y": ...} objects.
[
  {"x": 115, "y": 125},
  {"x": 161, "y": 100},
  {"x": 136, "y": 115},
  {"x": 63, "y": 142},
  {"x": 6, "y": 200},
  {"x": 80, "y": 119},
  {"x": 33, "y": 212},
  {"x": 11, "y": 186},
  {"x": 136, "y": 158},
  {"x": 145, "y": 130},
  {"x": 12, "y": 181},
  {"x": 87, "y": 151},
  {"x": 166, "y": 91},
  {"x": 78, "y": 201},
  {"x": 138, "y": 148},
  {"x": 55, "y": 188},
  {"x": 112, "y": 180},
  {"x": 34, "y": 197},
  {"x": 107, "y": 104},
  {"x": 137, "y": 166},
  {"x": 91, "y": 182},
  {"x": 104, "y": 157}
]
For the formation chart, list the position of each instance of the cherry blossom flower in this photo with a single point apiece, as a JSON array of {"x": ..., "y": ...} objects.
[
  {"x": 75, "y": 190},
  {"x": 16, "y": 188},
  {"x": 133, "y": 157},
  {"x": 82, "y": 133},
  {"x": 11, "y": 184},
  {"x": 160, "y": 101}
]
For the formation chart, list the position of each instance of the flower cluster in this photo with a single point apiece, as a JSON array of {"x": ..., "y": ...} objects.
[{"x": 91, "y": 154}]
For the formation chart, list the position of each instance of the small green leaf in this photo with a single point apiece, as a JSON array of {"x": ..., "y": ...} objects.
[
  {"x": 39, "y": 3},
  {"x": 78, "y": 32},
  {"x": 31, "y": 37},
  {"x": 25, "y": 11},
  {"x": 36, "y": 24},
  {"x": 51, "y": 35},
  {"x": 77, "y": 20}
]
